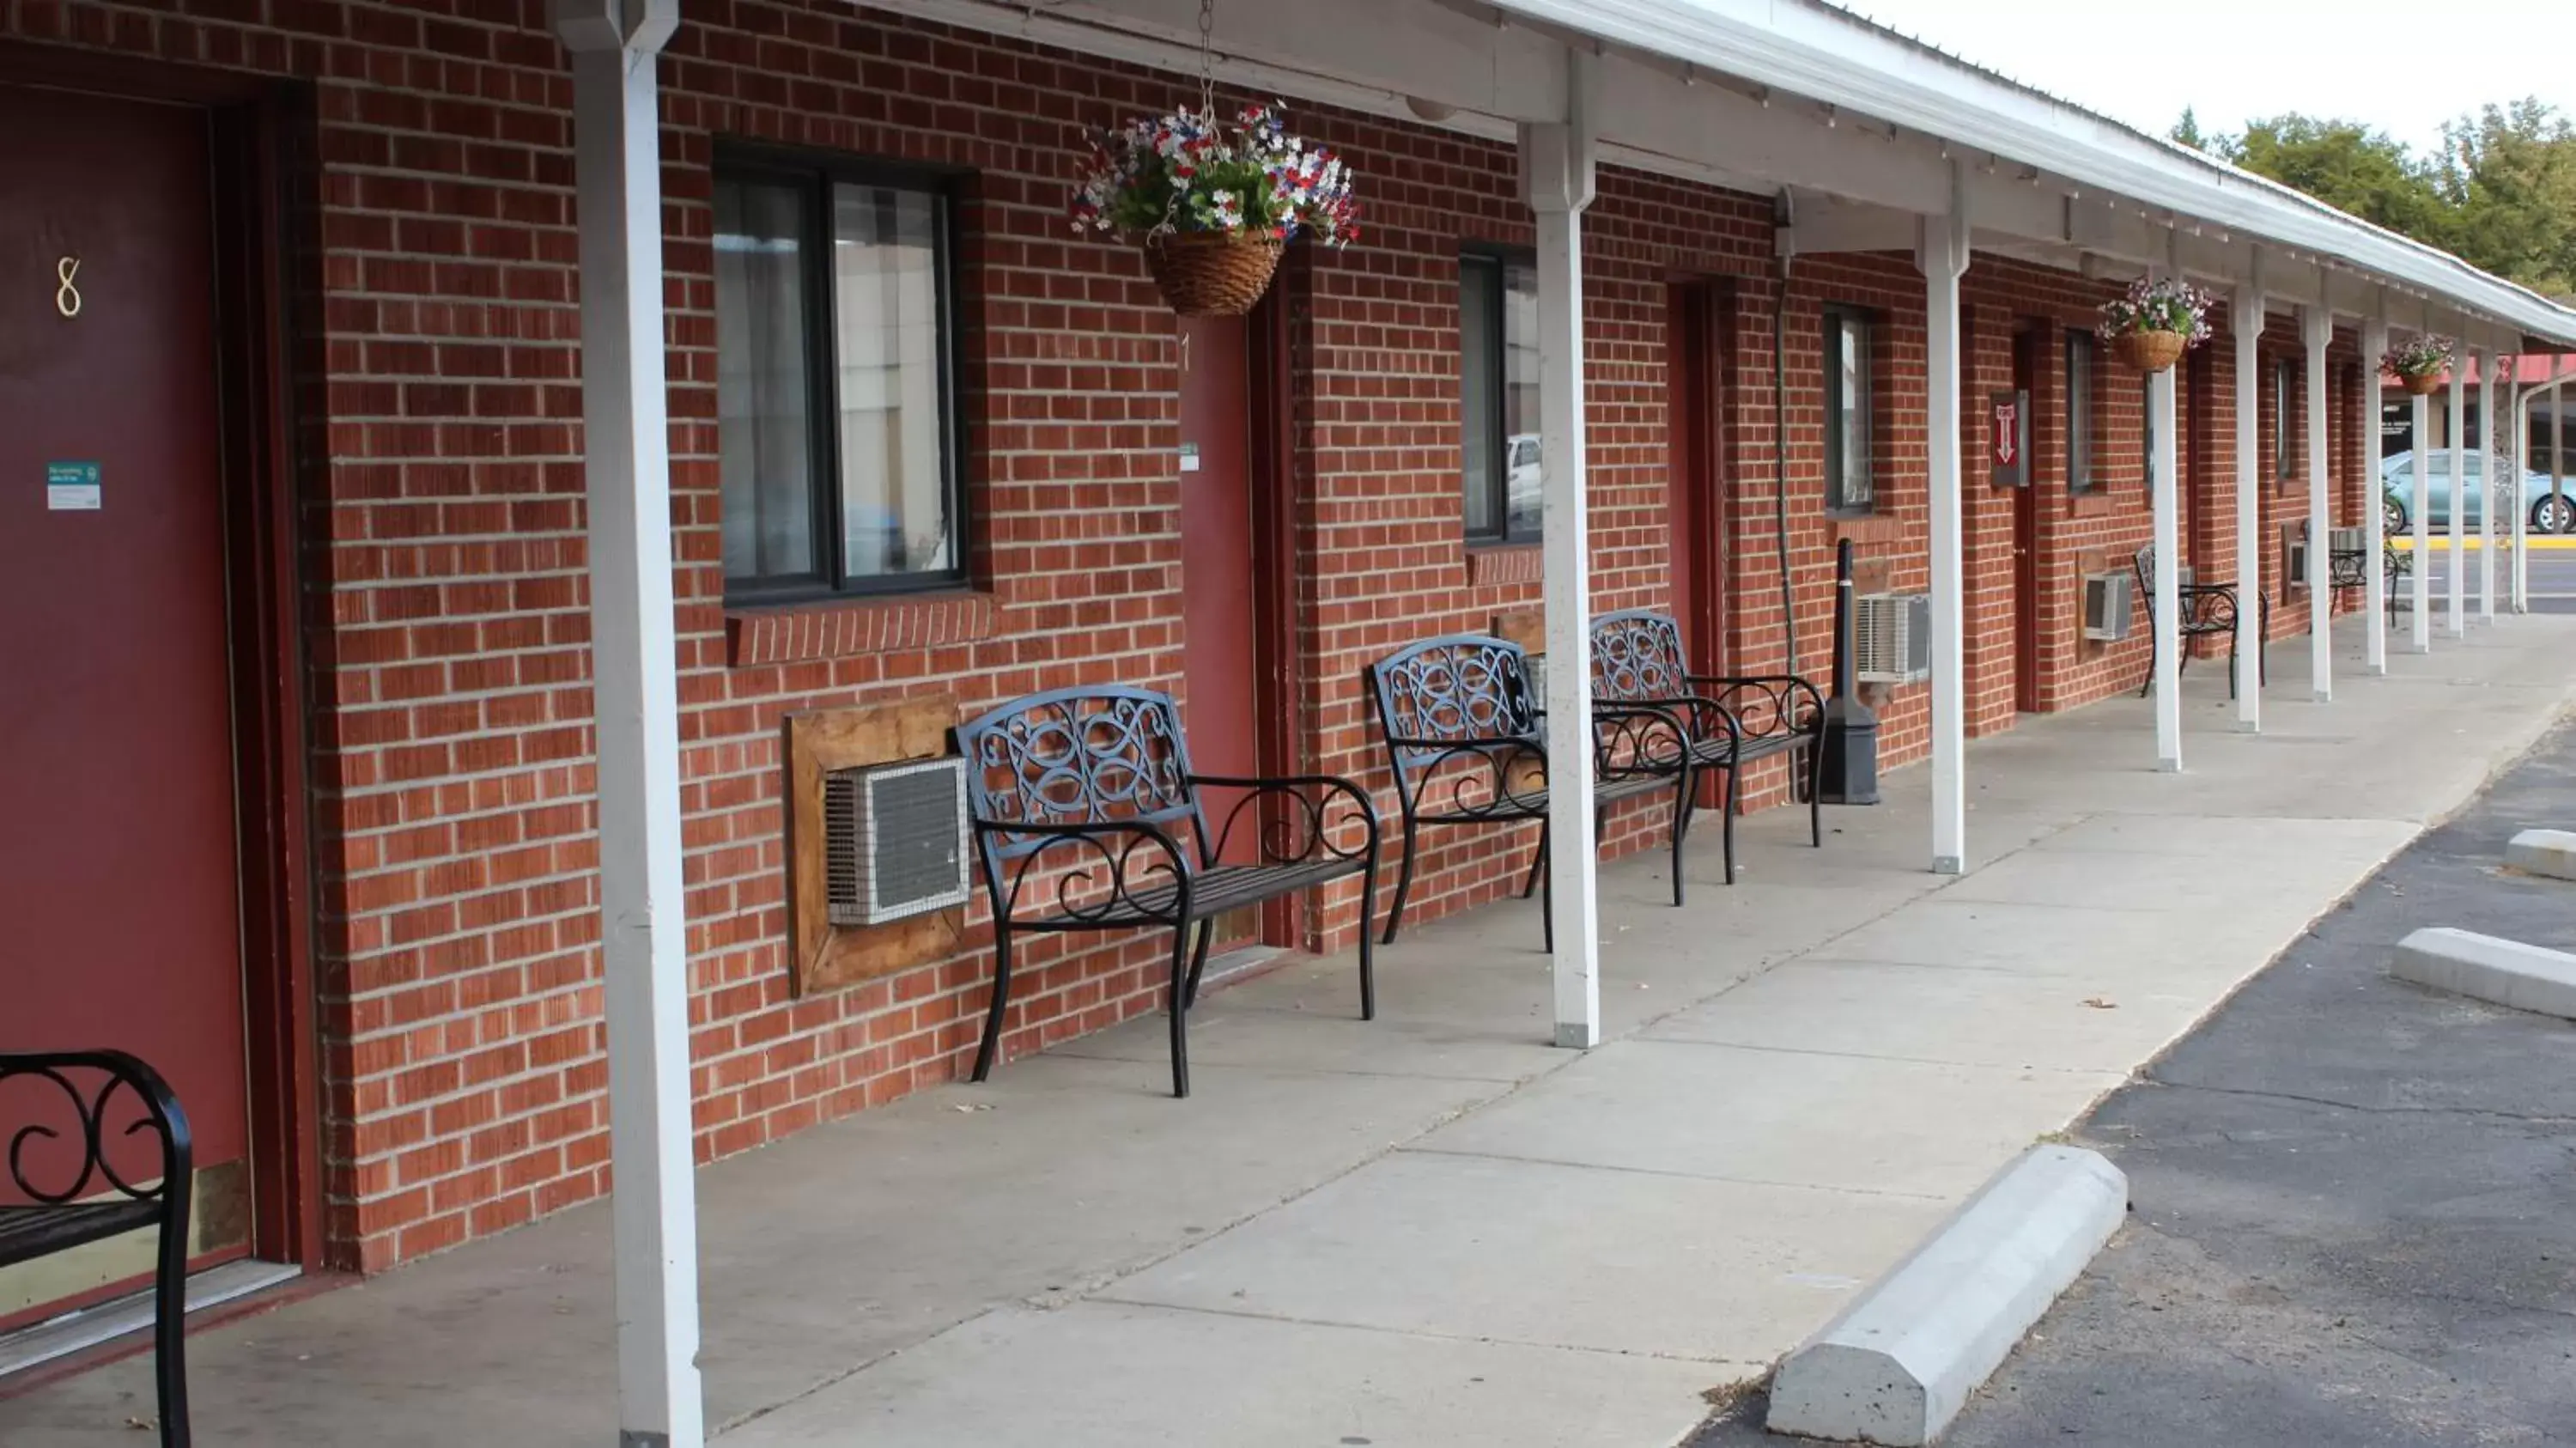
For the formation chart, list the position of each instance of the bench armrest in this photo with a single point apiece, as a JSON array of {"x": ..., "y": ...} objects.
[
  {"x": 1307, "y": 831},
  {"x": 1099, "y": 880},
  {"x": 1632, "y": 737},
  {"x": 88, "y": 1113},
  {"x": 1795, "y": 705}
]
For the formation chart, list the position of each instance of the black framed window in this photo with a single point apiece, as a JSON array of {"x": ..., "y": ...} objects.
[
  {"x": 836, "y": 379},
  {"x": 1851, "y": 483},
  {"x": 2080, "y": 477},
  {"x": 1498, "y": 395},
  {"x": 2285, "y": 412}
]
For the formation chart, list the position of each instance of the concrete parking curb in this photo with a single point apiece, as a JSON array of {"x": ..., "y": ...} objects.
[
  {"x": 2543, "y": 852},
  {"x": 2506, "y": 972},
  {"x": 1900, "y": 1362}
]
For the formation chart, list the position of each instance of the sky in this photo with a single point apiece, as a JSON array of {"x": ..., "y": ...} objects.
[{"x": 2402, "y": 66}]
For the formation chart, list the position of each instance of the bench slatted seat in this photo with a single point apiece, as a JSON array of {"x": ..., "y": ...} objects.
[
  {"x": 1087, "y": 816},
  {"x": 79, "y": 1187},
  {"x": 2206, "y": 609},
  {"x": 1464, "y": 733},
  {"x": 1734, "y": 719}
]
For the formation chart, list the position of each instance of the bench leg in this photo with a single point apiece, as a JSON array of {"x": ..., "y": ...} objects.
[
  {"x": 1198, "y": 962},
  {"x": 170, "y": 1319},
  {"x": 1181, "y": 978},
  {"x": 1816, "y": 793},
  {"x": 1538, "y": 862},
  {"x": 992, "y": 1042},
  {"x": 1688, "y": 791},
  {"x": 1734, "y": 806},
  {"x": 1403, "y": 882},
  {"x": 1546, "y": 891},
  {"x": 1368, "y": 909}
]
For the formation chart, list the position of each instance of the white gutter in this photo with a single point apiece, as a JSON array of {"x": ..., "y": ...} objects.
[{"x": 1837, "y": 58}]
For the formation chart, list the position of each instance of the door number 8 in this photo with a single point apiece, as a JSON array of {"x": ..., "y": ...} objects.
[{"x": 67, "y": 298}]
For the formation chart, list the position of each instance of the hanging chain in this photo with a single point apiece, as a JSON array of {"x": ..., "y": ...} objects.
[{"x": 1207, "y": 59}]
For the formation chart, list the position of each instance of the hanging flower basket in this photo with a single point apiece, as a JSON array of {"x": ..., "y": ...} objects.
[
  {"x": 1212, "y": 273},
  {"x": 1211, "y": 204},
  {"x": 2150, "y": 351},
  {"x": 2421, "y": 363},
  {"x": 2156, "y": 322}
]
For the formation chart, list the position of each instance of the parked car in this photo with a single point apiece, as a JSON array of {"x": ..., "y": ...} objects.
[{"x": 2548, "y": 513}]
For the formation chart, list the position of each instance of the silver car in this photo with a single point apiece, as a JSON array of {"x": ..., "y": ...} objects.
[{"x": 2549, "y": 513}]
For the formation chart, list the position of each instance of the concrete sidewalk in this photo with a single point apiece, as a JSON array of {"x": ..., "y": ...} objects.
[{"x": 1433, "y": 1229}]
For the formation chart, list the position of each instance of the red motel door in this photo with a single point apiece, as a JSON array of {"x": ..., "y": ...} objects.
[{"x": 118, "y": 878}]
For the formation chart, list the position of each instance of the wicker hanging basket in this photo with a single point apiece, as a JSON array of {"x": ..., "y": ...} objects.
[
  {"x": 2150, "y": 351},
  {"x": 1212, "y": 273},
  {"x": 2423, "y": 384}
]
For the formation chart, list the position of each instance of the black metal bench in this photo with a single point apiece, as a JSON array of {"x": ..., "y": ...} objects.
[
  {"x": 1734, "y": 720},
  {"x": 80, "y": 1187},
  {"x": 1464, "y": 733},
  {"x": 2206, "y": 609},
  {"x": 1088, "y": 817},
  {"x": 2348, "y": 571}
]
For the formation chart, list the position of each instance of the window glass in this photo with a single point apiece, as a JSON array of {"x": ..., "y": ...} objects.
[
  {"x": 894, "y": 436},
  {"x": 2079, "y": 413},
  {"x": 764, "y": 392},
  {"x": 1850, "y": 484},
  {"x": 1498, "y": 397}
]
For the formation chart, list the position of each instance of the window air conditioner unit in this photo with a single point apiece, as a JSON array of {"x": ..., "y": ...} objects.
[
  {"x": 894, "y": 840},
  {"x": 2347, "y": 540},
  {"x": 1892, "y": 637},
  {"x": 2106, "y": 605}
]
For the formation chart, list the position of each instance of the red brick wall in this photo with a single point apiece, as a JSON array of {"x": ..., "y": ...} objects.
[{"x": 446, "y": 612}]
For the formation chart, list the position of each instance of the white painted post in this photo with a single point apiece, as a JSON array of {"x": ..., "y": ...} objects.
[
  {"x": 617, "y": 170},
  {"x": 2316, "y": 333},
  {"x": 2168, "y": 541},
  {"x": 2518, "y": 448},
  {"x": 2374, "y": 597},
  {"x": 2490, "y": 486},
  {"x": 1557, "y": 182},
  {"x": 2245, "y": 324},
  {"x": 1941, "y": 251},
  {"x": 2456, "y": 622},
  {"x": 2420, "y": 579}
]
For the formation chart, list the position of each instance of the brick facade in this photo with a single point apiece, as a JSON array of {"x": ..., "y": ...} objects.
[{"x": 446, "y": 623}]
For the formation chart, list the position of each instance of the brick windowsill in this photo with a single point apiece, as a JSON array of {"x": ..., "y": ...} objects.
[
  {"x": 1867, "y": 528},
  {"x": 839, "y": 627},
  {"x": 1502, "y": 563}
]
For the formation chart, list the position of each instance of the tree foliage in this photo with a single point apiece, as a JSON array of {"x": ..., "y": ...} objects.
[{"x": 2501, "y": 194}]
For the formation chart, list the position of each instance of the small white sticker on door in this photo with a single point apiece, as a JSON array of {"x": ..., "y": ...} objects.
[
  {"x": 1189, "y": 457},
  {"x": 72, "y": 488}
]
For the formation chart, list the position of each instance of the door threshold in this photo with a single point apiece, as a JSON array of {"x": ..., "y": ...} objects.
[
  {"x": 75, "y": 1331},
  {"x": 1226, "y": 967}
]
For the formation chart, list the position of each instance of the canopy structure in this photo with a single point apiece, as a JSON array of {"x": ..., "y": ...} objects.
[{"x": 1868, "y": 141}]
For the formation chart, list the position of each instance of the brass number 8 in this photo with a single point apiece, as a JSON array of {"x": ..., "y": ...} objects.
[{"x": 67, "y": 298}]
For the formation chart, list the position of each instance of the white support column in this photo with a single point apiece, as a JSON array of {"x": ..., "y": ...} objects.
[
  {"x": 2524, "y": 400},
  {"x": 2420, "y": 575},
  {"x": 1941, "y": 251},
  {"x": 2245, "y": 324},
  {"x": 2374, "y": 451},
  {"x": 2316, "y": 333},
  {"x": 1557, "y": 181},
  {"x": 2164, "y": 488},
  {"x": 2490, "y": 486},
  {"x": 617, "y": 170},
  {"x": 2456, "y": 621}
]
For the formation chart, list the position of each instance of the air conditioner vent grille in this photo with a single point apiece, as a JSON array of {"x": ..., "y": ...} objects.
[{"x": 894, "y": 840}]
